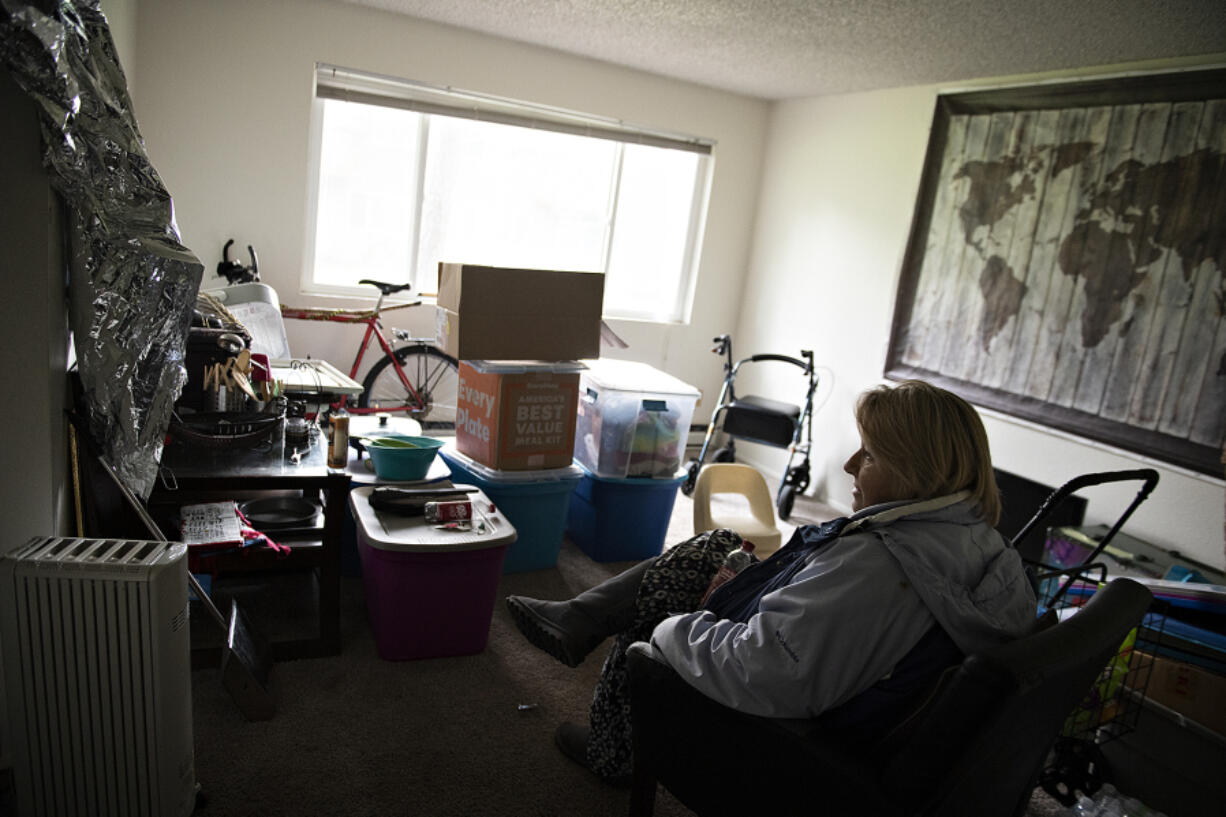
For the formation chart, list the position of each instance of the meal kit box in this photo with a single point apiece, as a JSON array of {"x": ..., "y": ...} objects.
[
  {"x": 491, "y": 313},
  {"x": 517, "y": 415}
]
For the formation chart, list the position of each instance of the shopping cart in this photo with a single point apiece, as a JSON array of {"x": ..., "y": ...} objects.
[
  {"x": 1112, "y": 705},
  {"x": 761, "y": 420}
]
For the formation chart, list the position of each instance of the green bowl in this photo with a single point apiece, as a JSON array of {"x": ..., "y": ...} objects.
[{"x": 400, "y": 457}]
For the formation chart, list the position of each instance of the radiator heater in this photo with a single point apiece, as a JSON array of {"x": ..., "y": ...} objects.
[{"x": 97, "y": 677}]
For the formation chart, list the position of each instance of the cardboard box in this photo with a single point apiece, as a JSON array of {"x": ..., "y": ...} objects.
[
  {"x": 518, "y": 415},
  {"x": 491, "y": 313},
  {"x": 1189, "y": 690}
]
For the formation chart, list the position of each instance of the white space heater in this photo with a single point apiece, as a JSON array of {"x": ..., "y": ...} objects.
[{"x": 97, "y": 677}]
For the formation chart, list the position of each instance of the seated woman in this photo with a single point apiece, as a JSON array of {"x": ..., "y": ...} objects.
[{"x": 852, "y": 620}]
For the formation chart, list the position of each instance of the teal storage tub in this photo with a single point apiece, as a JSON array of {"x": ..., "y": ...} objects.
[
  {"x": 535, "y": 502},
  {"x": 617, "y": 520}
]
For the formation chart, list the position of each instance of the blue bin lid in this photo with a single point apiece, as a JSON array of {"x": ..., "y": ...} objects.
[
  {"x": 570, "y": 473},
  {"x": 587, "y": 472}
]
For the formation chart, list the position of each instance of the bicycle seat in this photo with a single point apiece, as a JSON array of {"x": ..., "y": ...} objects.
[{"x": 384, "y": 287}]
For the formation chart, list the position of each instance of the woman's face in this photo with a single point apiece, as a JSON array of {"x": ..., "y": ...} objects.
[{"x": 872, "y": 482}]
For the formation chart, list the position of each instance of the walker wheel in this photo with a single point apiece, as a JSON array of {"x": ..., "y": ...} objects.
[
  {"x": 787, "y": 496},
  {"x": 725, "y": 454},
  {"x": 798, "y": 477},
  {"x": 691, "y": 478}
]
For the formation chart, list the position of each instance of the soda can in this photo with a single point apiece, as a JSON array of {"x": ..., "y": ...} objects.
[{"x": 454, "y": 511}]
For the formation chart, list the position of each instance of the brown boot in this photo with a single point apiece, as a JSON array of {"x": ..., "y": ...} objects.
[
  {"x": 572, "y": 739},
  {"x": 569, "y": 630}
]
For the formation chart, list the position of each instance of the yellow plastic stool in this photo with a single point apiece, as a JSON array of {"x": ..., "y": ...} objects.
[{"x": 755, "y": 523}]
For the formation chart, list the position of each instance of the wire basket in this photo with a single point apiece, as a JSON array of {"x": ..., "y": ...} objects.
[
  {"x": 1114, "y": 701},
  {"x": 226, "y": 430}
]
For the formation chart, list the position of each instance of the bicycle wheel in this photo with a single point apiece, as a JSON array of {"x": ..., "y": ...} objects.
[{"x": 433, "y": 375}]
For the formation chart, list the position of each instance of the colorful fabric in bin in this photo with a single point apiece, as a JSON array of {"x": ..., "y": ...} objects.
[{"x": 658, "y": 442}]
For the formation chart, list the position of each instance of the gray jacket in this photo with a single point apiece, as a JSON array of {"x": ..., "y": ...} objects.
[{"x": 855, "y": 609}]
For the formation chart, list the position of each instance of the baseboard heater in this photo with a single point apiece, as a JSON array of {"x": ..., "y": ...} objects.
[{"x": 95, "y": 645}]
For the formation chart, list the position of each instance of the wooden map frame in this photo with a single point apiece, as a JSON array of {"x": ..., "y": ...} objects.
[{"x": 1141, "y": 367}]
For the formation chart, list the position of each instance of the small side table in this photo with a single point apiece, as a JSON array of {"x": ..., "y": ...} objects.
[{"x": 273, "y": 590}]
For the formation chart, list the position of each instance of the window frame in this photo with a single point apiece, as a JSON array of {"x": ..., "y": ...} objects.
[{"x": 343, "y": 84}]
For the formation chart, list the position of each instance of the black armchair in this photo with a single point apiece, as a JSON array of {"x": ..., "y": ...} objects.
[{"x": 974, "y": 747}]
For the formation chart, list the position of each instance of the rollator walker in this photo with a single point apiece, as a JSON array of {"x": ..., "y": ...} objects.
[{"x": 761, "y": 420}]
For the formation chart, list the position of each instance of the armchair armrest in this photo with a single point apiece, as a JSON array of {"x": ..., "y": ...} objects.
[
  {"x": 684, "y": 739},
  {"x": 645, "y": 651}
]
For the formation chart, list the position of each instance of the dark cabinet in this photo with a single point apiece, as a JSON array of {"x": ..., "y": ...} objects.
[{"x": 293, "y": 599}]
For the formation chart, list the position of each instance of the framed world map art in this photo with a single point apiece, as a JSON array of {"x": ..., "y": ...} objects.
[{"x": 1066, "y": 260}]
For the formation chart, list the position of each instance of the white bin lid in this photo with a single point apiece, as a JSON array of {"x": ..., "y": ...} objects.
[
  {"x": 526, "y": 366},
  {"x": 632, "y": 376},
  {"x": 413, "y": 534},
  {"x": 256, "y": 306}
]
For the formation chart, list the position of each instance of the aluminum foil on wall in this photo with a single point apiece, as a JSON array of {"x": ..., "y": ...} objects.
[{"x": 132, "y": 284}]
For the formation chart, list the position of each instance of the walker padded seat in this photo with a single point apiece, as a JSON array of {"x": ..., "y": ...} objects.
[
  {"x": 759, "y": 419},
  {"x": 756, "y": 523}
]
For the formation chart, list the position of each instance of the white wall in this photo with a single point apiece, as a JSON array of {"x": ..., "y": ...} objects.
[
  {"x": 121, "y": 19},
  {"x": 839, "y": 187},
  {"x": 224, "y": 99},
  {"x": 34, "y": 488}
]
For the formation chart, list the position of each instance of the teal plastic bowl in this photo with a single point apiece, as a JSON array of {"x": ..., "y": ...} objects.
[{"x": 400, "y": 457}]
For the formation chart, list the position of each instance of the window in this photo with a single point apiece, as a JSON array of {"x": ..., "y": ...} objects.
[{"x": 407, "y": 176}]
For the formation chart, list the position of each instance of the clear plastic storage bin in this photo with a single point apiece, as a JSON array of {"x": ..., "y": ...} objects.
[{"x": 633, "y": 420}]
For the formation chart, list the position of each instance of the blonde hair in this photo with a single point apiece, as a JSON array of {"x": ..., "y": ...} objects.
[{"x": 932, "y": 441}]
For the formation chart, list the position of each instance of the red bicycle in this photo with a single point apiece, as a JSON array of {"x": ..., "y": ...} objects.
[{"x": 416, "y": 378}]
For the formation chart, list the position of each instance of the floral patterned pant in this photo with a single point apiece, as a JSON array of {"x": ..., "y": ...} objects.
[{"x": 675, "y": 583}]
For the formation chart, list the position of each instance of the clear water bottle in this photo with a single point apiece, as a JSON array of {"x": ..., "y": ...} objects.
[
  {"x": 1084, "y": 807},
  {"x": 739, "y": 559},
  {"x": 1109, "y": 803},
  {"x": 736, "y": 561}
]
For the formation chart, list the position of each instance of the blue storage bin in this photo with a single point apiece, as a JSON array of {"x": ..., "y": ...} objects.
[
  {"x": 617, "y": 520},
  {"x": 535, "y": 502}
]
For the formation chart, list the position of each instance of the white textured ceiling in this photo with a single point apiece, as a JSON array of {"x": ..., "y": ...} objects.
[{"x": 776, "y": 49}]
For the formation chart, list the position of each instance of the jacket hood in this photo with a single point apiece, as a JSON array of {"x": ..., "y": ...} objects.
[{"x": 969, "y": 578}]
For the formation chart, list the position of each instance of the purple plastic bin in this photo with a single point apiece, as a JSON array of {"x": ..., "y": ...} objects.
[{"x": 430, "y": 593}]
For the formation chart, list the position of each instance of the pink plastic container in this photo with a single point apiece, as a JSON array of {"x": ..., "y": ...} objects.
[{"x": 430, "y": 593}]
